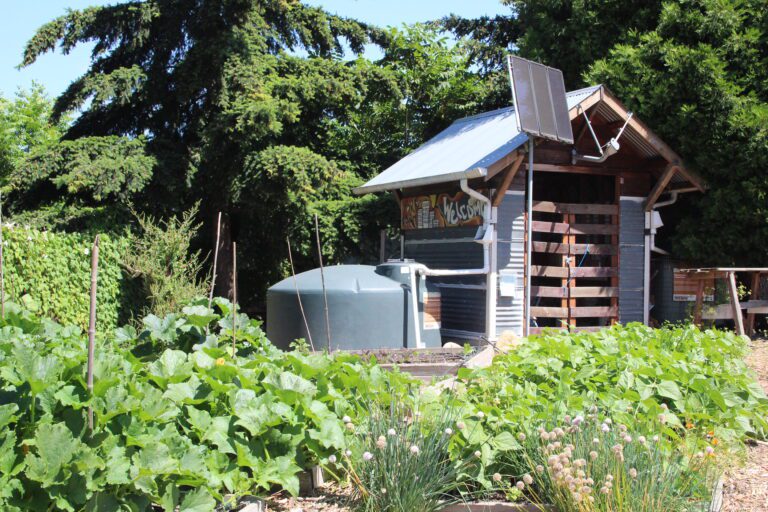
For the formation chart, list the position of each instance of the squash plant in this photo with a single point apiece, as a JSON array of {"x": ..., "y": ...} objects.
[{"x": 181, "y": 429}]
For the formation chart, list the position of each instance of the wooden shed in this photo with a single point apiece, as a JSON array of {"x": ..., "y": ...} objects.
[{"x": 463, "y": 198}]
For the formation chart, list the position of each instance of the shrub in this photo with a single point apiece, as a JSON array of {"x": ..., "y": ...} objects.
[
  {"x": 161, "y": 258},
  {"x": 50, "y": 273}
]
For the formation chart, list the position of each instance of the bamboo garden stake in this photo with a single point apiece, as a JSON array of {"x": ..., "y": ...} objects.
[
  {"x": 234, "y": 296},
  {"x": 298, "y": 295},
  {"x": 322, "y": 282},
  {"x": 215, "y": 260},
  {"x": 92, "y": 324}
]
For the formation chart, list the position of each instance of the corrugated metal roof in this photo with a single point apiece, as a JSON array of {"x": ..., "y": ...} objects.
[{"x": 463, "y": 150}]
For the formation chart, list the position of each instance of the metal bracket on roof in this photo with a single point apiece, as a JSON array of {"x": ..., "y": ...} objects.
[{"x": 606, "y": 150}]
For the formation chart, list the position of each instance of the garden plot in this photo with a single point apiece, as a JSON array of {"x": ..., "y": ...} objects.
[
  {"x": 193, "y": 414},
  {"x": 746, "y": 487}
]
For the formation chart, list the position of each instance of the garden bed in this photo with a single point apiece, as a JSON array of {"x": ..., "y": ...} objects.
[{"x": 424, "y": 364}]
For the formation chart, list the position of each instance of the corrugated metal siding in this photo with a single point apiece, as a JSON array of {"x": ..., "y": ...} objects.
[
  {"x": 631, "y": 259},
  {"x": 665, "y": 308},
  {"x": 462, "y": 298},
  {"x": 510, "y": 256}
]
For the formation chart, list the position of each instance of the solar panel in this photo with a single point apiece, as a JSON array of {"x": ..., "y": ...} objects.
[{"x": 538, "y": 93}]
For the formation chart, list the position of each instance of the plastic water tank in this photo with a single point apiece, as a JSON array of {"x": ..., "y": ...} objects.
[{"x": 369, "y": 308}]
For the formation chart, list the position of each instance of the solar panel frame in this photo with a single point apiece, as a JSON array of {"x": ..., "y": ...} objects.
[{"x": 538, "y": 93}]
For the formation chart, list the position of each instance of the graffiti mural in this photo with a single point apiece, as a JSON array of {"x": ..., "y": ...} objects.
[{"x": 441, "y": 211}]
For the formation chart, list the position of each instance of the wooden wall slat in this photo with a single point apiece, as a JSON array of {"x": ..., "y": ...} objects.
[
  {"x": 575, "y": 208},
  {"x": 594, "y": 272},
  {"x": 562, "y": 248},
  {"x": 545, "y": 271},
  {"x": 594, "y": 229},
  {"x": 594, "y": 311},
  {"x": 540, "y": 226},
  {"x": 549, "y": 312}
]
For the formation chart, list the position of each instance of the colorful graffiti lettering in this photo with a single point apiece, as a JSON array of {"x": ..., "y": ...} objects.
[{"x": 441, "y": 211}]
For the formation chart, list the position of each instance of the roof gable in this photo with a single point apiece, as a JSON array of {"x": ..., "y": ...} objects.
[{"x": 471, "y": 146}]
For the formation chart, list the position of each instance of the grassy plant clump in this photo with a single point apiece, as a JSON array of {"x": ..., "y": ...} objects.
[
  {"x": 402, "y": 460},
  {"x": 592, "y": 465}
]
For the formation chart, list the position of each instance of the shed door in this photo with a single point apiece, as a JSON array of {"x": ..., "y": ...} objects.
[{"x": 574, "y": 272}]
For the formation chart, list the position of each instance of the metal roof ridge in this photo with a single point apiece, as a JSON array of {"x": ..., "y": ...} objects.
[{"x": 489, "y": 113}]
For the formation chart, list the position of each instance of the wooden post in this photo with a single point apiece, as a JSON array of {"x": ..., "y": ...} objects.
[
  {"x": 616, "y": 243},
  {"x": 754, "y": 295},
  {"x": 322, "y": 281},
  {"x": 382, "y": 246},
  {"x": 92, "y": 324},
  {"x": 234, "y": 297},
  {"x": 570, "y": 302},
  {"x": 735, "y": 306},
  {"x": 215, "y": 260},
  {"x": 699, "y": 303}
]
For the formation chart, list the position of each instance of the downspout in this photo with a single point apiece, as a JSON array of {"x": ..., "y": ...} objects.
[
  {"x": 489, "y": 264},
  {"x": 650, "y": 246}
]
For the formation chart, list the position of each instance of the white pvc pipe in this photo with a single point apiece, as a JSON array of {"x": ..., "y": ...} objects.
[
  {"x": 426, "y": 271},
  {"x": 647, "y": 268},
  {"x": 489, "y": 262}
]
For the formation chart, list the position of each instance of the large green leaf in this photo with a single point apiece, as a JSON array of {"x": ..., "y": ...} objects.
[
  {"x": 171, "y": 366},
  {"x": 198, "y": 500},
  {"x": 55, "y": 447},
  {"x": 669, "y": 389}
]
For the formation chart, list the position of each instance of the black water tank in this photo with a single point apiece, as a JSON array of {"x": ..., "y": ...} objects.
[{"x": 369, "y": 308}]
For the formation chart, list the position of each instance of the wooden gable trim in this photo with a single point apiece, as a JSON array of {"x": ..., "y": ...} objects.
[
  {"x": 508, "y": 178},
  {"x": 659, "y": 187},
  {"x": 659, "y": 145}
]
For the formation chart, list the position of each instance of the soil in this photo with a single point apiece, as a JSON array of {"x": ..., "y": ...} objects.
[
  {"x": 745, "y": 488},
  {"x": 424, "y": 356},
  {"x": 329, "y": 498}
]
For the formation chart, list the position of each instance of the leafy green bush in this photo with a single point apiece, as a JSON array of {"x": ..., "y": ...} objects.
[
  {"x": 50, "y": 273},
  {"x": 694, "y": 382},
  {"x": 161, "y": 258},
  {"x": 174, "y": 429}
]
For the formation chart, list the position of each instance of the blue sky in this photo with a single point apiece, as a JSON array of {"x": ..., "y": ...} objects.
[{"x": 55, "y": 71}]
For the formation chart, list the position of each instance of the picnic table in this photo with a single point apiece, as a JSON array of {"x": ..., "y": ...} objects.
[{"x": 754, "y": 306}]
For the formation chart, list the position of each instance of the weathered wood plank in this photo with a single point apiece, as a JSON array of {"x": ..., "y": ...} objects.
[
  {"x": 561, "y": 248},
  {"x": 549, "y": 312},
  {"x": 546, "y": 271},
  {"x": 553, "y": 292},
  {"x": 575, "y": 208},
  {"x": 594, "y": 229},
  {"x": 594, "y": 291},
  {"x": 541, "y": 226},
  {"x": 508, "y": 178},
  {"x": 659, "y": 187},
  {"x": 594, "y": 312},
  {"x": 594, "y": 272},
  {"x": 734, "y": 292}
]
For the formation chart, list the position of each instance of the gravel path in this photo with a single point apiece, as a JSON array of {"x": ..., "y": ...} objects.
[{"x": 745, "y": 488}]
